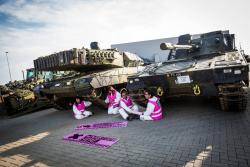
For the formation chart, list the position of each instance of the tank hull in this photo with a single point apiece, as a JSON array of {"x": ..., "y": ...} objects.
[
  {"x": 84, "y": 86},
  {"x": 206, "y": 81}
]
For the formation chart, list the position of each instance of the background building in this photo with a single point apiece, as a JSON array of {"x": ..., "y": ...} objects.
[{"x": 148, "y": 50}]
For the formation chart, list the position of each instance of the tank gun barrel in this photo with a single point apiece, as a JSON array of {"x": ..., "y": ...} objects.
[{"x": 170, "y": 46}]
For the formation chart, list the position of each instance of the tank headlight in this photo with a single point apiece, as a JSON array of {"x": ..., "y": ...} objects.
[
  {"x": 137, "y": 79},
  {"x": 237, "y": 71},
  {"x": 227, "y": 70},
  {"x": 131, "y": 81},
  {"x": 56, "y": 85}
]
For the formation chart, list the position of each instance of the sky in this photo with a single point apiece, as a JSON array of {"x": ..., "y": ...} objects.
[{"x": 33, "y": 28}]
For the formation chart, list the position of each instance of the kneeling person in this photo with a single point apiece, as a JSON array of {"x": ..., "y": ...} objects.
[
  {"x": 128, "y": 107},
  {"x": 79, "y": 108},
  {"x": 154, "y": 109}
]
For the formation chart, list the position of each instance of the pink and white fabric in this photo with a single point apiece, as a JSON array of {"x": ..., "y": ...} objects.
[
  {"x": 153, "y": 111},
  {"x": 113, "y": 100},
  {"x": 128, "y": 102},
  {"x": 81, "y": 106},
  {"x": 80, "y": 110},
  {"x": 157, "y": 113},
  {"x": 127, "y": 106}
]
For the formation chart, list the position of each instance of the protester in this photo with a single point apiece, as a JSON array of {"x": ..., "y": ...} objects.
[
  {"x": 113, "y": 100},
  {"x": 79, "y": 108},
  {"x": 128, "y": 109},
  {"x": 154, "y": 109}
]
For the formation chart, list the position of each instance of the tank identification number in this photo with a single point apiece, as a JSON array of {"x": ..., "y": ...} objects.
[
  {"x": 183, "y": 79},
  {"x": 197, "y": 90}
]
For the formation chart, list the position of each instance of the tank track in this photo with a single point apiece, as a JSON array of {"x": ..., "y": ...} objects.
[{"x": 232, "y": 97}]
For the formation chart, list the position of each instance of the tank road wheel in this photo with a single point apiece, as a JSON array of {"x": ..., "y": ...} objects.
[
  {"x": 232, "y": 98},
  {"x": 97, "y": 96},
  {"x": 224, "y": 103},
  {"x": 59, "y": 103},
  {"x": 138, "y": 97},
  {"x": 240, "y": 103},
  {"x": 12, "y": 105}
]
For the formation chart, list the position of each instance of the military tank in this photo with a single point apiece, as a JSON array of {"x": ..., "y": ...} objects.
[
  {"x": 86, "y": 73},
  {"x": 16, "y": 100},
  {"x": 207, "y": 65}
]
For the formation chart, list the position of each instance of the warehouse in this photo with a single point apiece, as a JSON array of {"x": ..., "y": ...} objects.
[{"x": 148, "y": 50}]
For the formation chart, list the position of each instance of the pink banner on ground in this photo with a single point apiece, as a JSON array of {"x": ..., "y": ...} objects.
[
  {"x": 91, "y": 140},
  {"x": 102, "y": 125}
]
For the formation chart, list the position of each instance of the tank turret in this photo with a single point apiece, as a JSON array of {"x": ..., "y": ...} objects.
[{"x": 85, "y": 60}]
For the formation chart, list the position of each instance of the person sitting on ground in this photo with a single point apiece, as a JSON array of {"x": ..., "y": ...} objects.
[
  {"x": 79, "y": 108},
  {"x": 113, "y": 100},
  {"x": 154, "y": 109},
  {"x": 128, "y": 109}
]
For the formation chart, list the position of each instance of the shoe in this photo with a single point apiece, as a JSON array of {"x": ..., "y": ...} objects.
[
  {"x": 129, "y": 118},
  {"x": 136, "y": 116}
]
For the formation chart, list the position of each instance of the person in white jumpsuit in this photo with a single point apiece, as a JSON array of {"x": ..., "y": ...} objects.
[
  {"x": 113, "y": 100},
  {"x": 79, "y": 108},
  {"x": 154, "y": 110},
  {"x": 127, "y": 106}
]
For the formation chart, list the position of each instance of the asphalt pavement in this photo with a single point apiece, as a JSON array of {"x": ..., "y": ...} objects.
[{"x": 193, "y": 132}]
